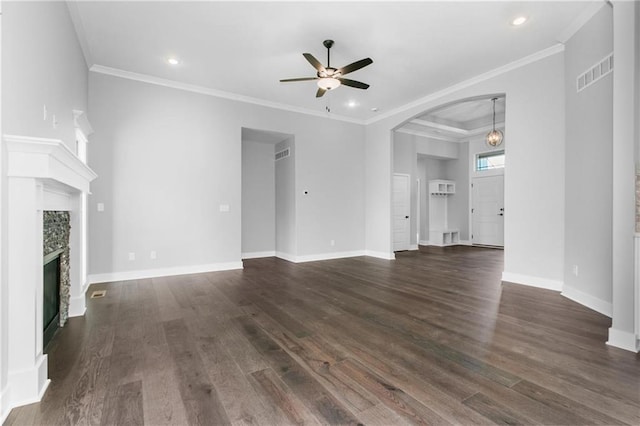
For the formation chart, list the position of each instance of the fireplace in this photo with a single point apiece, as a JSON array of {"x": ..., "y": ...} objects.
[
  {"x": 45, "y": 180},
  {"x": 56, "y": 283}
]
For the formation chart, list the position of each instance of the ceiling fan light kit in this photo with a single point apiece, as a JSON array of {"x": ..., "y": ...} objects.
[
  {"x": 329, "y": 78},
  {"x": 495, "y": 136}
]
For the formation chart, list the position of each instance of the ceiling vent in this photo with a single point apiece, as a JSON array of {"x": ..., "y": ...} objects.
[
  {"x": 595, "y": 73},
  {"x": 282, "y": 154}
]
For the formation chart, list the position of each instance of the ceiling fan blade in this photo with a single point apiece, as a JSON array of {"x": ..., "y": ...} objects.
[
  {"x": 320, "y": 92},
  {"x": 313, "y": 61},
  {"x": 353, "y": 83},
  {"x": 287, "y": 80},
  {"x": 355, "y": 66}
]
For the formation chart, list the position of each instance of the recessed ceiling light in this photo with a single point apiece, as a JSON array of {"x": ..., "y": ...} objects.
[
  {"x": 519, "y": 21},
  {"x": 173, "y": 61},
  {"x": 352, "y": 104},
  {"x": 374, "y": 109}
]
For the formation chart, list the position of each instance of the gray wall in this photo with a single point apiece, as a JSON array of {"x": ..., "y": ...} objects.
[
  {"x": 166, "y": 160},
  {"x": 405, "y": 161},
  {"x": 285, "y": 191},
  {"x": 457, "y": 170},
  {"x": 258, "y": 197},
  {"x": 42, "y": 64},
  {"x": 588, "y": 172}
]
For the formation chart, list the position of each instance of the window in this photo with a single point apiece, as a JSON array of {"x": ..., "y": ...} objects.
[{"x": 490, "y": 161}]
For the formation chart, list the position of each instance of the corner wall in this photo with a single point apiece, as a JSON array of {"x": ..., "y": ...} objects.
[{"x": 589, "y": 168}]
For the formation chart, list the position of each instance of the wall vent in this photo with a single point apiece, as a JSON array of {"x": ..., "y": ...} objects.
[
  {"x": 282, "y": 154},
  {"x": 595, "y": 73}
]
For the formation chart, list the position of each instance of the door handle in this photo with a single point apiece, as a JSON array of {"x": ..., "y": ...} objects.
[
  {"x": 500, "y": 214},
  {"x": 406, "y": 217}
]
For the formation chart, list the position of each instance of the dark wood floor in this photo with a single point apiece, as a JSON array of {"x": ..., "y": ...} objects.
[{"x": 431, "y": 338}]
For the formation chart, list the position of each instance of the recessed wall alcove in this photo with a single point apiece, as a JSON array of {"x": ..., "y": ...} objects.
[{"x": 42, "y": 174}]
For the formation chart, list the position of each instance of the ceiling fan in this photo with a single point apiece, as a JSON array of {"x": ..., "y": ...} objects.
[{"x": 330, "y": 78}]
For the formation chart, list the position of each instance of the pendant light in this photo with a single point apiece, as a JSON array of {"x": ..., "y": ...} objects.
[{"x": 494, "y": 137}]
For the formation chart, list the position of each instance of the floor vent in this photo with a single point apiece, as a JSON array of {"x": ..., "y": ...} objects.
[
  {"x": 595, "y": 73},
  {"x": 282, "y": 154},
  {"x": 98, "y": 293}
]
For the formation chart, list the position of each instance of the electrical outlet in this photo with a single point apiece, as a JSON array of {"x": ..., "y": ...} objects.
[
  {"x": 44, "y": 112},
  {"x": 153, "y": 255},
  {"x": 132, "y": 256},
  {"x": 575, "y": 270},
  {"x": 54, "y": 122},
  {"x": 332, "y": 243},
  {"x": 100, "y": 207}
]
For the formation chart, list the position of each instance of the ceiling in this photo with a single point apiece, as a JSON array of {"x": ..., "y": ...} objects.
[
  {"x": 458, "y": 122},
  {"x": 245, "y": 48}
]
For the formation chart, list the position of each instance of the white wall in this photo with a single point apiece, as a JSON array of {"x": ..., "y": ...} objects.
[
  {"x": 588, "y": 171},
  {"x": 258, "y": 198},
  {"x": 167, "y": 159},
  {"x": 285, "y": 206},
  {"x": 42, "y": 64},
  {"x": 534, "y": 227}
]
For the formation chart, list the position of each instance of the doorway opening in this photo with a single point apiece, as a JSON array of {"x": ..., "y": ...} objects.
[
  {"x": 268, "y": 194},
  {"x": 456, "y": 194}
]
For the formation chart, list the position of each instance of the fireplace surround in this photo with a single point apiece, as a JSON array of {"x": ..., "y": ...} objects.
[{"x": 42, "y": 175}]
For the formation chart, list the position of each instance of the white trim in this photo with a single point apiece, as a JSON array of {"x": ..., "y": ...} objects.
[
  {"x": 78, "y": 305},
  {"x": 5, "y": 406},
  {"x": 623, "y": 340},
  {"x": 328, "y": 256},
  {"x": 424, "y": 243},
  {"x": 46, "y": 159},
  {"x": 557, "y": 48},
  {"x": 286, "y": 256},
  {"x": 145, "y": 78},
  {"x": 413, "y": 247},
  {"x": 380, "y": 254},
  {"x": 580, "y": 21},
  {"x": 258, "y": 254},
  {"x": 587, "y": 300},
  {"x": 22, "y": 382},
  {"x": 162, "y": 272},
  {"x": 532, "y": 281},
  {"x": 465, "y": 243},
  {"x": 427, "y": 135}
]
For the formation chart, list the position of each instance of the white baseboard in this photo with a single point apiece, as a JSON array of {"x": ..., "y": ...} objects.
[
  {"x": 5, "y": 406},
  {"x": 413, "y": 247},
  {"x": 380, "y": 254},
  {"x": 424, "y": 243},
  {"x": 532, "y": 281},
  {"x": 28, "y": 386},
  {"x": 78, "y": 305},
  {"x": 587, "y": 300},
  {"x": 465, "y": 243},
  {"x": 286, "y": 256},
  {"x": 162, "y": 272},
  {"x": 329, "y": 256},
  {"x": 459, "y": 243},
  {"x": 623, "y": 340},
  {"x": 258, "y": 254},
  {"x": 320, "y": 256}
]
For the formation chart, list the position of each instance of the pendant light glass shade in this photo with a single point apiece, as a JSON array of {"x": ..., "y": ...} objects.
[{"x": 495, "y": 136}]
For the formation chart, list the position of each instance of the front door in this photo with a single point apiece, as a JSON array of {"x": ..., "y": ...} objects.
[
  {"x": 401, "y": 208},
  {"x": 488, "y": 211}
]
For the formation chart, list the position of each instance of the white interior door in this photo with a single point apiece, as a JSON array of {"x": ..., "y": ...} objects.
[
  {"x": 488, "y": 211},
  {"x": 401, "y": 206}
]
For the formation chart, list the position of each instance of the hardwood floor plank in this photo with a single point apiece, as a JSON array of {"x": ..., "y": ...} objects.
[
  {"x": 198, "y": 394},
  {"x": 432, "y": 337},
  {"x": 125, "y": 407}
]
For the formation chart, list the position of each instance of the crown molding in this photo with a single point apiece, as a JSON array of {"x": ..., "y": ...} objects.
[
  {"x": 550, "y": 51},
  {"x": 145, "y": 78}
]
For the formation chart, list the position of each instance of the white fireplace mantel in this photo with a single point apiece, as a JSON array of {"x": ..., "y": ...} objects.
[{"x": 42, "y": 174}]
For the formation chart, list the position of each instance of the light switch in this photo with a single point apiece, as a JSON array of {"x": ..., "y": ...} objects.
[
  {"x": 224, "y": 207},
  {"x": 100, "y": 207}
]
